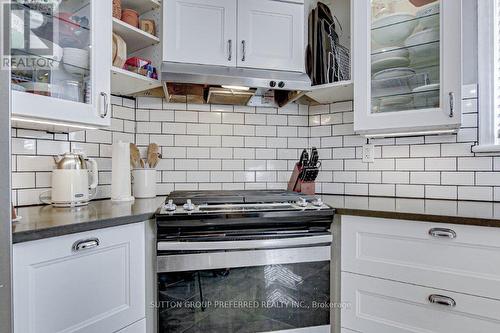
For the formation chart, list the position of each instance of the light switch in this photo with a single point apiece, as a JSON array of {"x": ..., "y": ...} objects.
[{"x": 368, "y": 153}]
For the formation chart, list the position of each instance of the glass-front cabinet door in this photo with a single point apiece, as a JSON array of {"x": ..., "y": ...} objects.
[
  {"x": 407, "y": 66},
  {"x": 60, "y": 61}
]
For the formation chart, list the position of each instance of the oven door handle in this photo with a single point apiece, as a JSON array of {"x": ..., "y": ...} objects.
[{"x": 244, "y": 244}]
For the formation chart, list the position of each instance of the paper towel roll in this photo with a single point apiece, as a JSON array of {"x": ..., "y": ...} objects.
[{"x": 120, "y": 176}]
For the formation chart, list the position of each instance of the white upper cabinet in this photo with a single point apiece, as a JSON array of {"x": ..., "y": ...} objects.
[
  {"x": 200, "y": 31},
  {"x": 262, "y": 34},
  {"x": 407, "y": 64},
  {"x": 271, "y": 35},
  {"x": 60, "y": 67}
]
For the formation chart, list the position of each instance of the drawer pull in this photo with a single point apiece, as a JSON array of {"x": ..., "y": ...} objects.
[
  {"x": 85, "y": 244},
  {"x": 442, "y": 300},
  {"x": 443, "y": 233}
]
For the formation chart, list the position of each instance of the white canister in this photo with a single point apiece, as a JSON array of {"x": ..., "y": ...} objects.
[{"x": 144, "y": 183}]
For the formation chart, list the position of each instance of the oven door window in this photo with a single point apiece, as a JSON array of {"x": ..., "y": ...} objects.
[{"x": 245, "y": 299}]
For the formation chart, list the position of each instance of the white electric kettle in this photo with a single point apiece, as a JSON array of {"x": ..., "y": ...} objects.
[{"x": 70, "y": 181}]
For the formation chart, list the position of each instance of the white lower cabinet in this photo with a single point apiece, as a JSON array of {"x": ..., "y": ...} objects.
[
  {"x": 445, "y": 256},
  {"x": 383, "y": 306},
  {"x": 412, "y": 276},
  {"x": 87, "y": 282}
]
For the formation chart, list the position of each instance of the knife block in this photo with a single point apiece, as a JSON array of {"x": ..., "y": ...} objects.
[{"x": 298, "y": 185}]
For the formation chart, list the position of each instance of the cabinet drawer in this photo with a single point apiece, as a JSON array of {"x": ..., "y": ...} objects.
[
  {"x": 100, "y": 288},
  {"x": 382, "y": 306},
  {"x": 406, "y": 251}
]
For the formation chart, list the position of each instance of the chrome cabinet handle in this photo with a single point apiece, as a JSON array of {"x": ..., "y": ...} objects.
[
  {"x": 230, "y": 49},
  {"x": 443, "y": 233},
  {"x": 243, "y": 55},
  {"x": 452, "y": 104},
  {"x": 105, "y": 96},
  {"x": 85, "y": 244},
  {"x": 442, "y": 300}
]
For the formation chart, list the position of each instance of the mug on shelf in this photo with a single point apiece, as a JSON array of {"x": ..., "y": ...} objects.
[{"x": 144, "y": 183}]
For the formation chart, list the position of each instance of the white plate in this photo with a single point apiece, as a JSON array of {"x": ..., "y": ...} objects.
[
  {"x": 393, "y": 73},
  {"x": 395, "y": 100},
  {"x": 391, "y": 62},
  {"x": 428, "y": 15},
  {"x": 389, "y": 52},
  {"x": 393, "y": 29},
  {"x": 428, "y": 87}
]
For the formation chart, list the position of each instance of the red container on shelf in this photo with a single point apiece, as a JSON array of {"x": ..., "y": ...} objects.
[{"x": 137, "y": 62}]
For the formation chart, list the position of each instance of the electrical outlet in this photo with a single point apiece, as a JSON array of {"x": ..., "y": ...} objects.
[{"x": 368, "y": 153}]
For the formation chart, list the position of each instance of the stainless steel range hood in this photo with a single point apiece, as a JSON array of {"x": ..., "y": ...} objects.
[{"x": 172, "y": 72}]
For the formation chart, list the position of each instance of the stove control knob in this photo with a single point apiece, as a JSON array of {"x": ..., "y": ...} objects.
[
  {"x": 317, "y": 202},
  {"x": 170, "y": 206},
  {"x": 188, "y": 205},
  {"x": 302, "y": 202}
]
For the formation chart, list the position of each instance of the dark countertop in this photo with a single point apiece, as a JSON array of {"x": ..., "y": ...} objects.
[
  {"x": 40, "y": 222},
  {"x": 479, "y": 213}
]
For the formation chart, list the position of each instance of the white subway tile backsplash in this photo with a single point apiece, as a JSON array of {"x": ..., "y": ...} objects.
[
  {"x": 457, "y": 178},
  {"x": 410, "y": 191},
  {"x": 143, "y": 127},
  {"x": 221, "y": 129},
  {"x": 22, "y": 146},
  {"x": 255, "y": 142},
  {"x": 198, "y": 129},
  {"x": 171, "y": 128},
  {"x": 475, "y": 193},
  {"x": 255, "y": 119},
  {"x": 428, "y": 150},
  {"x": 23, "y": 180},
  {"x": 235, "y": 147},
  {"x": 395, "y": 151},
  {"x": 425, "y": 178},
  {"x": 233, "y": 118},
  {"x": 186, "y": 116},
  {"x": 388, "y": 190},
  {"x": 475, "y": 163},
  {"x": 210, "y": 117},
  {"x": 265, "y": 130},
  {"x": 441, "y": 164}
]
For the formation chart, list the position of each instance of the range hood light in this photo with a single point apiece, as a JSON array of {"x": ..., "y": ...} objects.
[{"x": 236, "y": 88}]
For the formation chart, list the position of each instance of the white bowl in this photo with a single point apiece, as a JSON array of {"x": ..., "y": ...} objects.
[
  {"x": 428, "y": 15},
  {"x": 424, "y": 46},
  {"x": 389, "y": 52},
  {"x": 393, "y": 29},
  {"x": 391, "y": 62},
  {"x": 393, "y": 73}
]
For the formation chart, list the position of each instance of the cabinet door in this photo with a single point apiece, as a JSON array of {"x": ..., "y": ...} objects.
[
  {"x": 271, "y": 35},
  {"x": 407, "y": 67},
  {"x": 384, "y": 306},
  {"x": 60, "y": 67},
  {"x": 94, "y": 289},
  {"x": 200, "y": 31}
]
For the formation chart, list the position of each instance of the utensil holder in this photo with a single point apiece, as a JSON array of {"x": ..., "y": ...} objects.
[{"x": 144, "y": 183}]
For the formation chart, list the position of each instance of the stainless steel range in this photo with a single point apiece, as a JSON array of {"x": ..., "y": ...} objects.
[{"x": 243, "y": 261}]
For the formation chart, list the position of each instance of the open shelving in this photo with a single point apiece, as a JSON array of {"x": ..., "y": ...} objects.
[{"x": 126, "y": 83}]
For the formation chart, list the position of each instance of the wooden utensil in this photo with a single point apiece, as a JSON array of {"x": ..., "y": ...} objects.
[
  {"x": 153, "y": 155},
  {"x": 135, "y": 156}
]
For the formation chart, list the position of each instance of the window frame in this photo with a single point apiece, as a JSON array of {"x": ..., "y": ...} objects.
[{"x": 487, "y": 55}]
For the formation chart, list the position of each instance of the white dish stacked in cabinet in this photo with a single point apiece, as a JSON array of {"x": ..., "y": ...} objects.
[{"x": 410, "y": 276}]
